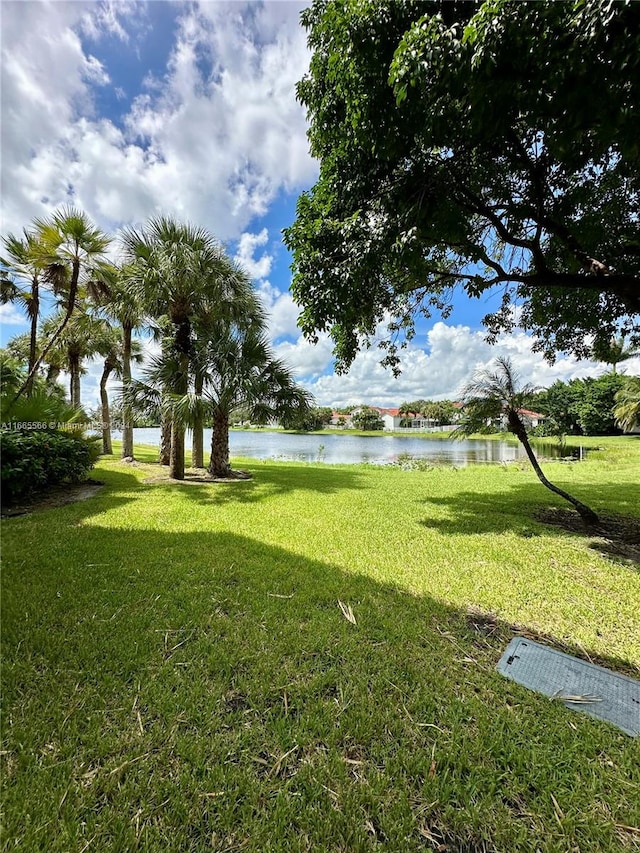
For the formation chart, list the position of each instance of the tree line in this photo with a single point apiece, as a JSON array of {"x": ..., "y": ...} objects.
[{"x": 172, "y": 282}]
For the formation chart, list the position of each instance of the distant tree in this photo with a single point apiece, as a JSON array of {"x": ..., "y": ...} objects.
[
  {"x": 314, "y": 419},
  {"x": 627, "y": 404},
  {"x": 441, "y": 412},
  {"x": 493, "y": 395},
  {"x": 559, "y": 404},
  {"x": 124, "y": 306},
  {"x": 77, "y": 343},
  {"x": 408, "y": 410},
  {"x": 367, "y": 419},
  {"x": 596, "y": 404}
]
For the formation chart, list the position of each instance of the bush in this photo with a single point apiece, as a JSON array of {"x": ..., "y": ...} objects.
[{"x": 33, "y": 460}]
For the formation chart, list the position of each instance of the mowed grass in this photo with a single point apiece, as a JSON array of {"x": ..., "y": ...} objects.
[{"x": 178, "y": 674}]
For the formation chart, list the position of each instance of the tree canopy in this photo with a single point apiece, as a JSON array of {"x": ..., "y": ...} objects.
[{"x": 486, "y": 146}]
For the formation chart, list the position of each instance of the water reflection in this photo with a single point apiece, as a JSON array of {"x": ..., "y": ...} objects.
[{"x": 353, "y": 449}]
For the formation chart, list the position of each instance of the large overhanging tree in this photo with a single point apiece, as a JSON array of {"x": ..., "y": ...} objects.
[{"x": 482, "y": 145}]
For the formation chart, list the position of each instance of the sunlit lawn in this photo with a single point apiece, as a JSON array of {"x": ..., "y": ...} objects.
[{"x": 178, "y": 675}]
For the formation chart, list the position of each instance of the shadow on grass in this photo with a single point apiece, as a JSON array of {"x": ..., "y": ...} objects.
[
  {"x": 144, "y": 672},
  {"x": 163, "y": 689},
  {"x": 617, "y": 536},
  {"x": 267, "y": 481}
]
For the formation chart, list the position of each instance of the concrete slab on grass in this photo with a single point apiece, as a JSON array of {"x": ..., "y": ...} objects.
[{"x": 579, "y": 685}]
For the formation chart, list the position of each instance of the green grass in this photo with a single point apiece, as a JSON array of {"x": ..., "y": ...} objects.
[{"x": 178, "y": 676}]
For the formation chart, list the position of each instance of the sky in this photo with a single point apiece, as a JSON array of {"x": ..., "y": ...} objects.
[{"x": 129, "y": 110}]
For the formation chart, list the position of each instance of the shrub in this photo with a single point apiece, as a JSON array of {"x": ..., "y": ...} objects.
[{"x": 33, "y": 460}]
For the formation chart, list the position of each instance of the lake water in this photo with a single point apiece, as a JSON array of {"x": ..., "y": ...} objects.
[{"x": 352, "y": 449}]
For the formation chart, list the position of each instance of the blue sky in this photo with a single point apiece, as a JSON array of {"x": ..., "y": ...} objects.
[{"x": 130, "y": 109}]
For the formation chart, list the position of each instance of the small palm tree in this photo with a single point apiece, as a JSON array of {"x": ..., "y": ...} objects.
[
  {"x": 77, "y": 343},
  {"x": 490, "y": 396},
  {"x": 242, "y": 371},
  {"x": 614, "y": 351},
  {"x": 23, "y": 276},
  {"x": 627, "y": 410},
  {"x": 72, "y": 252}
]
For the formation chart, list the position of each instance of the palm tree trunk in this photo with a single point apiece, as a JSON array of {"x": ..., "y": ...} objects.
[
  {"x": 518, "y": 428},
  {"x": 127, "y": 413},
  {"x": 176, "y": 460},
  {"x": 104, "y": 404},
  {"x": 34, "y": 313},
  {"x": 52, "y": 375},
  {"x": 74, "y": 369},
  {"x": 71, "y": 304},
  {"x": 176, "y": 457},
  {"x": 219, "y": 463},
  {"x": 165, "y": 439},
  {"x": 197, "y": 444}
]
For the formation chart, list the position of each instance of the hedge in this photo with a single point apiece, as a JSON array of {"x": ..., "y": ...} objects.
[{"x": 33, "y": 460}]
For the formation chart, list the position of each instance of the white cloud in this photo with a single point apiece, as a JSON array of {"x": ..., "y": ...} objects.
[
  {"x": 214, "y": 140},
  {"x": 439, "y": 371},
  {"x": 305, "y": 359},
  {"x": 282, "y": 311},
  {"x": 247, "y": 246},
  {"x": 11, "y": 316}
]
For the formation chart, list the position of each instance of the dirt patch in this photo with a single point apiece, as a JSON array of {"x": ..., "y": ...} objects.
[
  {"x": 54, "y": 497},
  {"x": 197, "y": 476},
  {"x": 615, "y": 536}
]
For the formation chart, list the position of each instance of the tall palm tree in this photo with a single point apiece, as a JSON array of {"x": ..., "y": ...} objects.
[
  {"x": 491, "y": 395},
  {"x": 72, "y": 251},
  {"x": 178, "y": 270},
  {"x": 124, "y": 306},
  {"x": 627, "y": 410}
]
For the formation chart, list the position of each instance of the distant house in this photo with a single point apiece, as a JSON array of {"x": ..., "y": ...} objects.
[
  {"x": 408, "y": 421},
  {"x": 531, "y": 419},
  {"x": 393, "y": 420},
  {"x": 340, "y": 420}
]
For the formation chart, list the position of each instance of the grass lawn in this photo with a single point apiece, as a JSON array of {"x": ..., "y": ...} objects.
[{"x": 178, "y": 675}]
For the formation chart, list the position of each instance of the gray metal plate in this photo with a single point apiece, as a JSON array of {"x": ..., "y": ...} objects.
[{"x": 579, "y": 685}]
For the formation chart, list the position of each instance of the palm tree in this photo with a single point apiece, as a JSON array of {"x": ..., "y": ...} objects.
[
  {"x": 22, "y": 261},
  {"x": 614, "y": 351},
  {"x": 179, "y": 271},
  {"x": 124, "y": 307},
  {"x": 493, "y": 395},
  {"x": 44, "y": 405},
  {"x": 242, "y": 371},
  {"x": 72, "y": 251},
  {"x": 110, "y": 343},
  {"x": 242, "y": 309},
  {"x": 627, "y": 410},
  {"x": 78, "y": 342}
]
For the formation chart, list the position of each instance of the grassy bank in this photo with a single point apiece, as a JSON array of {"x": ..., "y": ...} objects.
[{"x": 178, "y": 675}]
